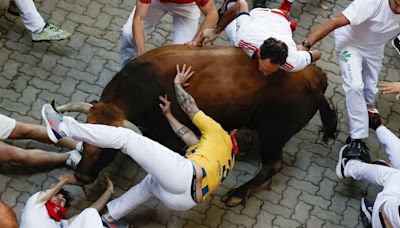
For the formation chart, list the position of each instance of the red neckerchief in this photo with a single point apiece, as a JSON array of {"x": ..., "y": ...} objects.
[
  {"x": 293, "y": 25},
  {"x": 235, "y": 146},
  {"x": 55, "y": 211}
]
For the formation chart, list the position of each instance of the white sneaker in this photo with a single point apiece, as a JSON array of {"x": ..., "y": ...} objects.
[
  {"x": 79, "y": 146},
  {"x": 74, "y": 159},
  {"x": 51, "y": 32}
]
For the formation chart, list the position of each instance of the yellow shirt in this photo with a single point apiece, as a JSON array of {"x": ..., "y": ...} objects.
[{"x": 213, "y": 153}]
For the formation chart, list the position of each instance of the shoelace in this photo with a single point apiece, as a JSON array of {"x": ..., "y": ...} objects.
[{"x": 53, "y": 26}]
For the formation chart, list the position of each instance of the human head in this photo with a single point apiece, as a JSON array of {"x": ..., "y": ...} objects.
[
  {"x": 62, "y": 198},
  {"x": 245, "y": 139},
  {"x": 395, "y": 6},
  {"x": 273, "y": 54},
  {"x": 58, "y": 204}
]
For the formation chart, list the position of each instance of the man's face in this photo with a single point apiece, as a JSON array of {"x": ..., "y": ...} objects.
[
  {"x": 59, "y": 199},
  {"x": 266, "y": 67},
  {"x": 395, "y": 6}
]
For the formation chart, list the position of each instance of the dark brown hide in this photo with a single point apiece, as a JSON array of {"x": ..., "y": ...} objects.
[
  {"x": 228, "y": 88},
  {"x": 8, "y": 218}
]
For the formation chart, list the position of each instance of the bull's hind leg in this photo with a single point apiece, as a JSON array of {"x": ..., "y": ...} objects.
[{"x": 268, "y": 169}]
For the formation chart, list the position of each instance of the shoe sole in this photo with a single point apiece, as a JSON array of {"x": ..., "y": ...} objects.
[
  {"x": 395, "y": 48},
  {"x": 50, "y": 133},
  {"x": 48, "y": 41},
  {"x": 365, "y": 210},
  {"x": 339, "y": 164}
]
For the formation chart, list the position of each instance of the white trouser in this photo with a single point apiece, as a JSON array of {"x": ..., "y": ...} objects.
[
  {"x": 30, "y": 16},
  {"x": 386, "y": 177},
  {"x": 360, "y": 73},
  {"x": 7, "y": 126},
  {"x": 185, "y": 22},
  {"x": 234, "y": 29},
  {"x": 169, "y": 174},
  {"x": 87, "y": 218}
]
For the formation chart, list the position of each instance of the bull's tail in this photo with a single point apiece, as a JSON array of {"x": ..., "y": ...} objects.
[{"x": 327, "y": 111}]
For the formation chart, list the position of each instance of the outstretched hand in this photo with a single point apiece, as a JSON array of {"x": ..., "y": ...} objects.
[
  {"x": 69, "y": 178},
  {"x": 165, "y": 105},
  {"x": 390, "y": 88},
  {"x": 209, "y": 35},
  {"x": 182, "y": 76}
]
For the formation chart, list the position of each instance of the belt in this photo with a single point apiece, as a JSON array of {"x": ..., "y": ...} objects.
[{"x": 196, "y": 184}]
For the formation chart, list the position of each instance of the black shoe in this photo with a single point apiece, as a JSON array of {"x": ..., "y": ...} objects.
[
  {"x": 366, "y": 212},
  {"x": 374, "y": 118},
  {"x": 396, "y": 44},
  {"x": 358, "y": 150},
  {"x": 223, "y": 8}
]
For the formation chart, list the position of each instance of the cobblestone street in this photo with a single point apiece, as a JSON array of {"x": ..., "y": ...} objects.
[{"x": 306, "y": 193}]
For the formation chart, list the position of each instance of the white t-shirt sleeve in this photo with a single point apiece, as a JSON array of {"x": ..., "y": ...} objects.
[
  {"x": 361, "y": 10},
  {"x": 296, "y": 61}
]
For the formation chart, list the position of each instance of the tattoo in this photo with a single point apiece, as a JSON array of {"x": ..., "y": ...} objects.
[
  {"x": 182, "y": 131},
  {"x": 186, "y": 101}
]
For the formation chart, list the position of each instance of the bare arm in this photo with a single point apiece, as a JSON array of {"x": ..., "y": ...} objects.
[
  {"x": 210, "y": 19},
  {"x": 210, "y": 35},
  {"x": 183, "y": 132},
  {"x": 141, "y": 12},
  {"x": 187, "y": 103},
  {"x": 326, "y": 27},
  {"x": 101, "y": 202}
]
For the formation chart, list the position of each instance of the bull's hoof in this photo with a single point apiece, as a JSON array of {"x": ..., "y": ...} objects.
[{"x": 233, "y": 198}]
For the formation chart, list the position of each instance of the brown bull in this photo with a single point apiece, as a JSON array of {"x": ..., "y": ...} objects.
[{"x": 228, "y": 88}]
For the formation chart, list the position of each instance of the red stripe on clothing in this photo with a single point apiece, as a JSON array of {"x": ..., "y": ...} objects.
[
  {"x": 289, "y": 66},
  {"x": 248, "y": 45},
  {"x": 145, "y": 1}
]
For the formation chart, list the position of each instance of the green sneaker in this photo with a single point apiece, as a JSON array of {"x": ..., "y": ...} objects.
[{"x": 51, "y": 32}]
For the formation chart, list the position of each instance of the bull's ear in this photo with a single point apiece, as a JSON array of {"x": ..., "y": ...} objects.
[{"x": 133, "y": 127}]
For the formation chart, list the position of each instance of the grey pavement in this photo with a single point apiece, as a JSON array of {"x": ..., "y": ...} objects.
[{"x": 306, "y": 193}]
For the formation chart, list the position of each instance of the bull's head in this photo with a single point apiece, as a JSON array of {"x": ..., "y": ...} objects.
[{"x": 93, "y": 160}]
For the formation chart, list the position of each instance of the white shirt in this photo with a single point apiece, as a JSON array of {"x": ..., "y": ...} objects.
[
  {"x": 372, "y": 25},
  {"x": 35, "y": 215},
  {"x": 265, "y": 24}
]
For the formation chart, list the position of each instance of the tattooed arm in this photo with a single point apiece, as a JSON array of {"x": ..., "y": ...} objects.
[
  {"x": 187, "y": 103},
  {"x": 183, "y": 132}
]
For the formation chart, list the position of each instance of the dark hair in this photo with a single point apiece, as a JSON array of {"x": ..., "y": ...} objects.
[
  {"x": 67, "y": 197},
  {"x": 275, "y": 50}
]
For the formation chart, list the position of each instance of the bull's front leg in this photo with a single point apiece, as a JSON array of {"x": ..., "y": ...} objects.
[{"x": 238, "y": 195}]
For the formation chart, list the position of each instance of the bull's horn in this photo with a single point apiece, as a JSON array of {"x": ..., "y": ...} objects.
[
  {"x": 81, "y": 107},
  {"x": 130, "y": 125}
]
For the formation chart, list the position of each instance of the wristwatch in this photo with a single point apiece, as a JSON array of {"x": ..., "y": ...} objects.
[{"x": 306, "y": 44}]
